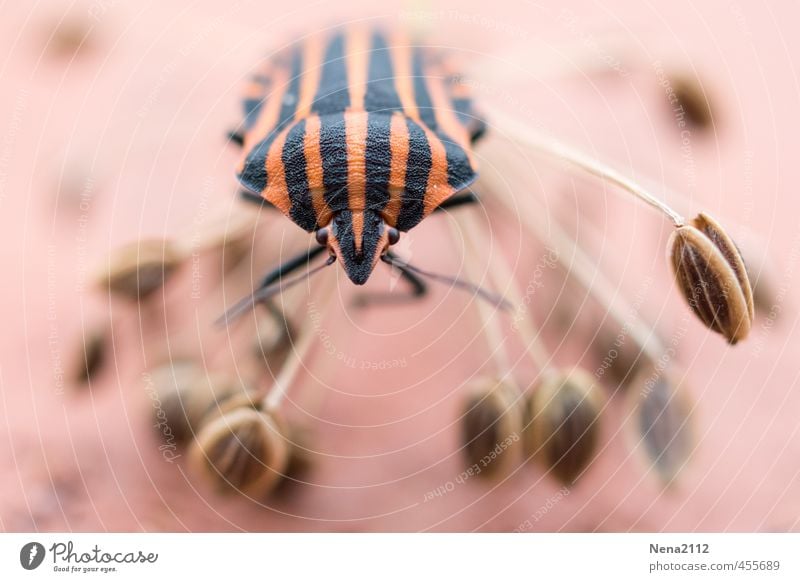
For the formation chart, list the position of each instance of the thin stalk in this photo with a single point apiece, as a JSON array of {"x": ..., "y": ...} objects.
[
  {"x": 490, "y": 325},
  {"x": 501, "y": 277},
  {"x": 290, "y": 369},
  {"x": 581, "y": 267},
  {"x": 552, "y": 148}
]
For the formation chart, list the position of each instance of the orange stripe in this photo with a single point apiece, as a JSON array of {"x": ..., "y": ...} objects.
[
  {"x": 316, "y": 185},
  {"x": 355, "y": 128},
  {"x": 398, "y": 144},
  {"x": 269, "y": 114},
  {"x": 446, "y": 116},
  {"x": 313, "y": 50},
  {"x": 357, "y": 59},
  {"x": 403, "y": 80},
  {"x": 277, "y": 193},
  {"x": 438, "y": 189}
]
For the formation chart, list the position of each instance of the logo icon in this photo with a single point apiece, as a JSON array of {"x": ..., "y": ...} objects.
[{"x": 31, "y": 555}]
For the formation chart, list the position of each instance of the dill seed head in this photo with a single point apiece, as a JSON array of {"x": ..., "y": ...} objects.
[
  {"x": 242, "y": 450},
  {"x": 712, "y": 277},
  {"x": 563, "y": 428},
  {"x": 187, "y": 395},
  {"x": 661, "y": 423},
  {"x": 491, "y": 426},
  {"x": 137, "y": 269}
]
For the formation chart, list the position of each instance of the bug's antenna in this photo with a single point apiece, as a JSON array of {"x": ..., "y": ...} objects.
[
  {"x": 262, "y": 294},
  {"x": 492, "y": 298}
]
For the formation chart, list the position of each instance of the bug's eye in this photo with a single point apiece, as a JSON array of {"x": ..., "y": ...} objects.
[
  {"x": 322, "y": 237},
  {"x": 393, "y": 235}
]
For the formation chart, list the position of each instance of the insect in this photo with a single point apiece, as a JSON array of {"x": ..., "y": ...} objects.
[{"x": 357, "y": 135}]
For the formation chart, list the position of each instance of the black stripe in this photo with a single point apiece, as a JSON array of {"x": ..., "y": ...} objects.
[
  {"x": 333, "y": 151},
  {"x": 381, "y": 91},
  {"x": 421, "y": 95},
  {"x": 358, "y": 265},
  {"x": 294, "y": 163},
  {"x": 418, "y": 170},
  {"x": 333, "y": 93},
  {"x": 254, "y": 175},
  {"x": 459, "y": 172},
  {"x": 378, "y": 160}
]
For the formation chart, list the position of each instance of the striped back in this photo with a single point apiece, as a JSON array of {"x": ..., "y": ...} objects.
[{"x": 357, "y": 120}]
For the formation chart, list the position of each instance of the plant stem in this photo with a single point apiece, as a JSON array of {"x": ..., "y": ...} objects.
[
  {"x": 500, "y": 276},
  {"x": 578, "y": 264},
  {"x": 552, "y": 148}
]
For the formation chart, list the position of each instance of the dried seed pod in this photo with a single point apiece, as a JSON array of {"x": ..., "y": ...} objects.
[
  {"x": 184, "y": 395},
  {"x": 491, "y": 427},
  {"x": 693, "y": 101},
  {"x": 137, "y": 269},
  {"x": 661, "y": 423},
  {"x": 619, "y": 356},
  {"x": 243, "y": 449},
  {"x": 91, "y": 355},
  {"x": 711, "y": 274},
  {"x": 563, "y": 428}
]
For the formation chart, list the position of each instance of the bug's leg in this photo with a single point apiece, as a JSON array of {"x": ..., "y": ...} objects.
[
  {"x": 236, "y": 137},
  {"x": 281, "y": 271},
  {"x": 251, "y": 198},
  {"x": 418, "y": 290},
  {"x": 468, "y": 197}
]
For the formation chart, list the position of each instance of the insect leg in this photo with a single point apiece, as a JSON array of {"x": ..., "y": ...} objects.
[
  {"x": 282, "y": 271},
  {"x": 468, "y": 197},
  {"x": 418, "y": 290},
  {"x": 248, "y": 196},
  {"x": 236, "y": 137}
]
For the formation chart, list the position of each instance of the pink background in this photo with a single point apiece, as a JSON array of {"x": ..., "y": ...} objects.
[{"x": 134, "y": 122}]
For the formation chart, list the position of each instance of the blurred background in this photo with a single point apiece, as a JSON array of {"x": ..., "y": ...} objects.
[{"x": 113, "y": 120}]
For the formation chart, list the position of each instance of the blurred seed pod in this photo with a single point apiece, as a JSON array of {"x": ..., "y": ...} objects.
[
  {"x": 761, "y": 274},
  {"x": 299, "y": 463},
  {"x": 619, "y": 357},
  {"x": 661, "y": 423},
  {"x": 187, "y": 395},
  {"x": 137, "y": 269},
  {"x": 243, "y": 450},
  {"x": 91, "y": 355},
  {"x": 712, "y": 277},
  {"x": 694, "y": 102},
  {"x": 491, "y": 427},
  {"x": 563, "y": 423}
]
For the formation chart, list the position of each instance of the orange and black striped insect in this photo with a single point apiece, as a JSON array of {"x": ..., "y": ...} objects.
[{"x": 356, "y": 135}]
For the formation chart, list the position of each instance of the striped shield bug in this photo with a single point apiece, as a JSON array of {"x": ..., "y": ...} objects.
[{"x": 356, "y": 135}]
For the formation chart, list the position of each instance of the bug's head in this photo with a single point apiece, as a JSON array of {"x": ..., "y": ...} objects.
[{"x": 358, "y": 240}]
